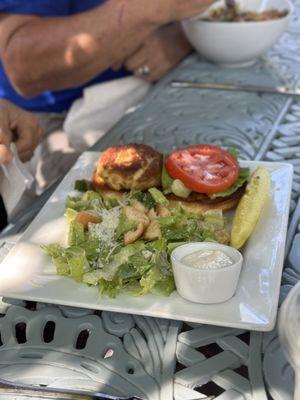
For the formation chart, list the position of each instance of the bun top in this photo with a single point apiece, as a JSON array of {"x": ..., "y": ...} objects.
[{"x": 130, "y": 166}]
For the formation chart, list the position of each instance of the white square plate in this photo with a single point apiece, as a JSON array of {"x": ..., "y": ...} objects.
[{"x": 27, "y": 273}]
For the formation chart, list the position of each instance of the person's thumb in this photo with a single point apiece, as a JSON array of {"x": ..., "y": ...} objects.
[
  {"x": 5, "y": 154},
  {"x": 5, "y": 140}
]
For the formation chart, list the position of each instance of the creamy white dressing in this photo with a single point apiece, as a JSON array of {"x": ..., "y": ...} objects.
[{"x": 207, "y": 259}]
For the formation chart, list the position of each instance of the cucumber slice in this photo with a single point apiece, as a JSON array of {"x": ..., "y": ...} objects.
[{"x": 179, "y": 189}]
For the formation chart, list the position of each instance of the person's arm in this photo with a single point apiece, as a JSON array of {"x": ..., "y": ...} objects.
[
  {"x": 40, "y": 53},
  {"x": 20, "y": 127}
]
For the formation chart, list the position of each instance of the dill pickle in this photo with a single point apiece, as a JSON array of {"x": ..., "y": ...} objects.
[{"x": 250, "y": 207}]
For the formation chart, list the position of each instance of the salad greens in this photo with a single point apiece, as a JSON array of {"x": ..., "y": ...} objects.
[
  {"x": 128, "y": 250},
  {"x": 166, "y": 181},
  {"x": 82, "y": 185},
  {"x": 243, "y": 178},
  {"x": 158, "y": 197}
]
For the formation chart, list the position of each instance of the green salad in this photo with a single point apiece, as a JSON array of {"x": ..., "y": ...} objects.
[{"x": 124, "y": 246}]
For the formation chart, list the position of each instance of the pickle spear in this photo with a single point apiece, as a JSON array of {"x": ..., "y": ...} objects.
[{"x": 250, "y": 207}]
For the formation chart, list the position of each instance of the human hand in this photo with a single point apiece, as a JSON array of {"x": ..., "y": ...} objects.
[
  {"x": 159, "y": 54},
  {"x": 20, "y": 127}
]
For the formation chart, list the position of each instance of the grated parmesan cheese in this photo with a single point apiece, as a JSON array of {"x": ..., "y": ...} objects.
[{"x": 105, "y": 231}]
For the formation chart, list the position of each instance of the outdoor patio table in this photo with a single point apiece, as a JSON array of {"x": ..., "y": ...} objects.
[{"x": 155, "y": 358}]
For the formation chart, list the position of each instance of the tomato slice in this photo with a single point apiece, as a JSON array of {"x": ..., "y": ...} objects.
[{"x": 203, "y": 168}]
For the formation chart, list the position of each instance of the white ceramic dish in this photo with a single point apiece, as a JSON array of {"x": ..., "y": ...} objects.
[
  {"x": 27, "y": 273},
  {"x": 206, "y": 286},
  {"x": 237, "y": 44}
]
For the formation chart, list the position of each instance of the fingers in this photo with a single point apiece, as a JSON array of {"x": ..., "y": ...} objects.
[
  {"x": 136, "y": 61},
  {"x": 5, "y": 133},
  {"x": 5, "y": 140},
  {"x": 153, "y": 75},
  {"x": 150, "y": 69},
  {"x": 5, "y": 154},
  {"x": 140, "y": 65},
  {"x": 26, "y": 156},
  {"x": 29, "y": 134},
  {"x": 21, "y": 127},
  {"x": 159, "y": 54}
]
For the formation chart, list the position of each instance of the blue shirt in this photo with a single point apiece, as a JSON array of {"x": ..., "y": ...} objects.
[{"x": 55, "y": 101}]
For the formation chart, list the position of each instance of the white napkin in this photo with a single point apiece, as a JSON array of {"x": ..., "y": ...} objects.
[
  {"x": 16, "y": 184},
  {"x": 100, "y": 108}
]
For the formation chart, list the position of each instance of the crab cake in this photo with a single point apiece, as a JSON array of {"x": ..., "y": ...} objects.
[{"x": 130, "y": 166}]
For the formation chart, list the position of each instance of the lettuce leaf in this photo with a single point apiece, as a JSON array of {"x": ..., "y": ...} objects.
[
  {"x": 233, "y": 152},
  {"x": 158, "y": 196},
  {"x": 214, "y": 219},
  {"x": 59, "y": 258},
  {"x": 157, "y": 245},
  {"x": 76, "y": 234},
  {"x": 125, "y": 225},
  {"x": 135, "y": 268},
  {"x": 110, "y": 288},
  {"x": 92, "y": 277},
  {"x": 122, "y": 256},
  {"x": 164, "y": 286},
  {"x": 62, "y": 266},
  {"x": 149, "y": 280},
  {"x": 89, "y": 200},
  {"x": 159, "y": 278},
  {"x": 143, "y": 272},
  {"x": 82, "y": 185},
  {"x": 68, "y": 262},
  {"x": 166, "y": 181},
  {"x": 84, "y": 201},
  {"x": 180, "y": 228},
  {"x": 77, "y": 262},
  {"x": 143, "y": 197},
  {"x": 243, "y": 177},
  {"x": 128, "y": 272},
  {"x": 213, "y": 227},
  {"x": 70, "y": 215},
  {"x": 53, "y": 250}
]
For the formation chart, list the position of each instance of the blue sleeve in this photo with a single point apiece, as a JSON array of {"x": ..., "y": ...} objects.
[{"x": 44, "y": 8}]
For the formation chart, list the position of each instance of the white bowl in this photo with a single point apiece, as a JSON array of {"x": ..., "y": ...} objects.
[
  {"x": 206, "y": 286},
  {"x": 237, "y": 44}
]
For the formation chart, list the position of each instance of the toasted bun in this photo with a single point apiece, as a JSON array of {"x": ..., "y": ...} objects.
[
  {"x": 200, "y": 208},
  {"x": 131, "y": 166},
  {"x": 199, "y": 202}
]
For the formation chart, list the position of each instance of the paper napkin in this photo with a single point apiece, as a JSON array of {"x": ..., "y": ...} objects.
[
  {"x": 100, "y": 108},
  {"x": 16, "y": 184}
]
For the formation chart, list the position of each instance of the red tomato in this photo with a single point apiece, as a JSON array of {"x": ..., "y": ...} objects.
[{"x": 203, "y": 168}]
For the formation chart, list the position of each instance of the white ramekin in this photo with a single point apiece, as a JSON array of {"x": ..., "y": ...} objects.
[{"x": 206, "y": 286}]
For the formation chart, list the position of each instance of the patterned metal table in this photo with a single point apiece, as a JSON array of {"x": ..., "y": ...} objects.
[{"x": 160, "y": 359}]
